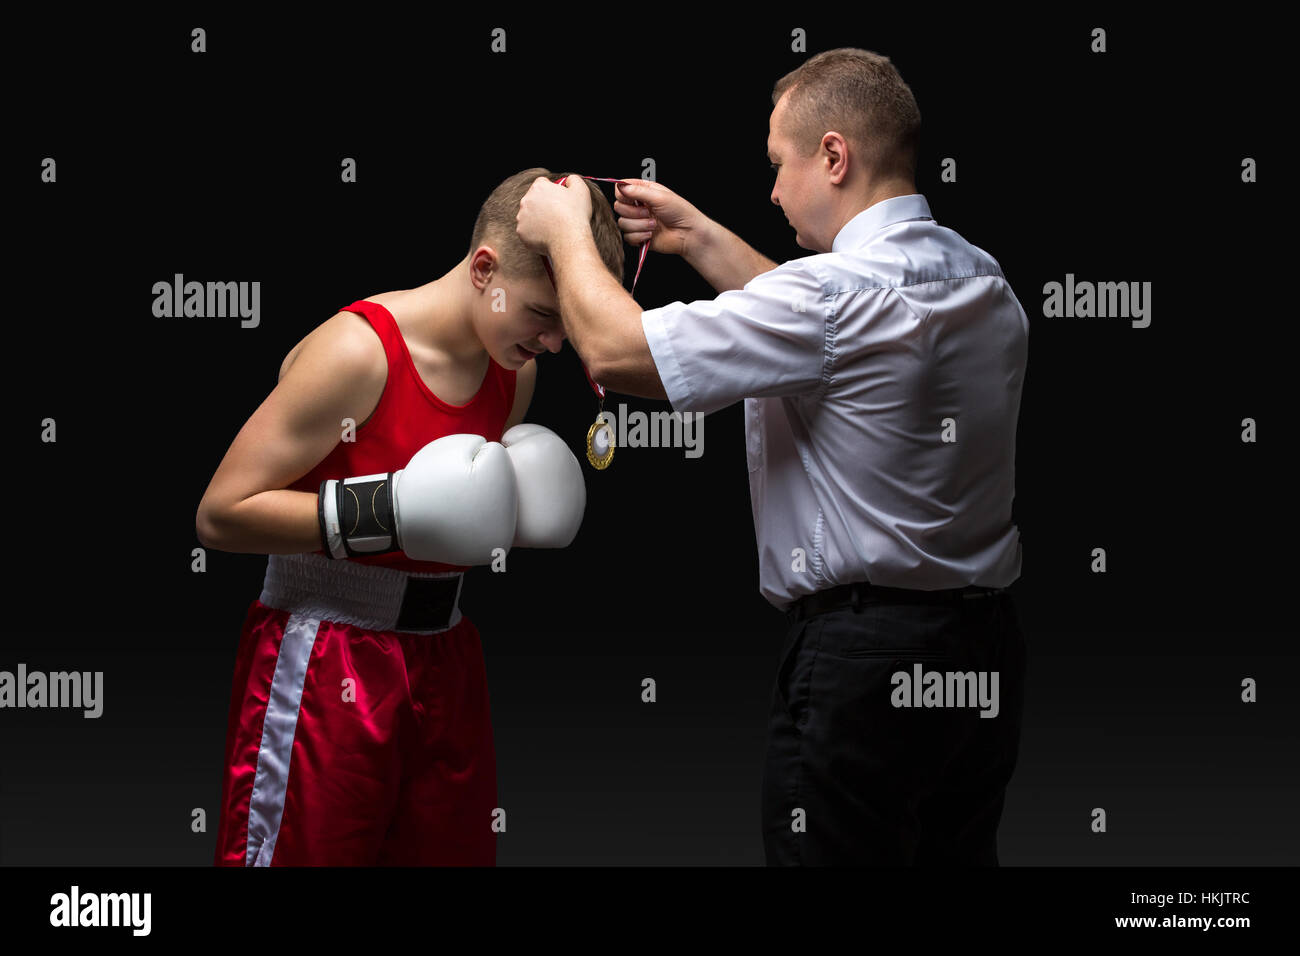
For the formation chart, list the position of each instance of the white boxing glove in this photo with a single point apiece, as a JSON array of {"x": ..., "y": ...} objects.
[
  {"x": 455, "y": 503},
  {"x": 552, "y": 492}
]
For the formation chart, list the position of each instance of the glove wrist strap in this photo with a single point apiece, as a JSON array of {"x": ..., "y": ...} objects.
[{"x": 356, "y": 516}]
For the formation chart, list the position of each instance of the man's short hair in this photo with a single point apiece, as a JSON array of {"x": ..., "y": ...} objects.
[
  {"x": 496, "y": 224},
  {"x": 860, "y": 95}
]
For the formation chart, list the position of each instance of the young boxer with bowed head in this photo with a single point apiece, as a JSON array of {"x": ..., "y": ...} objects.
[{"x": 359, "y": 729}]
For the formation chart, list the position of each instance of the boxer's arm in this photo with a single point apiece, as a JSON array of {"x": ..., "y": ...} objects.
[
  {"x": 338, "y": 373},
  {"x": 525, "y": 381}
]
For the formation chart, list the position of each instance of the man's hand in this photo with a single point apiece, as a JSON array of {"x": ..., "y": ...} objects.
[
  {"x": 650, "y": 212},
  {"x": 548, "y": 212}
]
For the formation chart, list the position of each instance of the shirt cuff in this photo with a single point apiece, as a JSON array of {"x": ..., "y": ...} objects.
[{"x": 654, "y": 324}]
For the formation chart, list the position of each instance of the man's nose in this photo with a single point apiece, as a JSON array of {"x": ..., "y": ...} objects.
[
  {"x": 775, "y": 200},
  {"x": 554, "y": 341}
]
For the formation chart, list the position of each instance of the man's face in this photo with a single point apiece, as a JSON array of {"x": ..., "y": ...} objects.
[
  {"x": 801, "y": 188},
  {"x": 517, "y": 318}
]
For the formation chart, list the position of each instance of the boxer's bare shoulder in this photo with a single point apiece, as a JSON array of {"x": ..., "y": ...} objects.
[
  {"x": 389, "y": 300},
  {"x": 353, "y": 328},
  {"x": 452, "y": 381},
  {"x": 337, "y": 374},
  {"x": 349, "y": 338}
]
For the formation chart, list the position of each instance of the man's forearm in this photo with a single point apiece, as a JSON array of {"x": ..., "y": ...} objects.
[
  {"x": 594, "y": 305},
  {"x": 724, "y": 259},
  {"x": 602, "y": 320}
]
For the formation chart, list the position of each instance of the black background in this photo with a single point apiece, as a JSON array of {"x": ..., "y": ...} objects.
[{"x": 1123, "y": 166}]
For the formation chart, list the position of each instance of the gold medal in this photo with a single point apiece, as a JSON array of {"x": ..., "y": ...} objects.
[{"x": 600, "y": 444}]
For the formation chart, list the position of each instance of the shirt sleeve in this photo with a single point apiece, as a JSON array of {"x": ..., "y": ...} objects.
[{"x": 767, "y": 339}]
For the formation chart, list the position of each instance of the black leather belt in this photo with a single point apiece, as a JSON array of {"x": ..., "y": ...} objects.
[
  {"x": 860, "y": 594},
  {"x": 428, "y": 603}
]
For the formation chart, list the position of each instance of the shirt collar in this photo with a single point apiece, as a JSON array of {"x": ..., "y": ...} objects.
[{"x": 876, "y": 217}]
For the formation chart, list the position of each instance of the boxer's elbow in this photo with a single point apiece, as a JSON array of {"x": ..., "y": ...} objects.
[{"x": 209, "y": 527}]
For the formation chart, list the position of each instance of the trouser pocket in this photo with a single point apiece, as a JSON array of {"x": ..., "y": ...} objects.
[{"x": 794, "y": 672}]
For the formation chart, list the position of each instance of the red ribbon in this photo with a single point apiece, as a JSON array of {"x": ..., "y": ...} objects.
[{"x": 645, "y": 247}]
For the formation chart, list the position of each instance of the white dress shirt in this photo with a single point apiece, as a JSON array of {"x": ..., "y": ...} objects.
[{"x": 854, "y": 366}]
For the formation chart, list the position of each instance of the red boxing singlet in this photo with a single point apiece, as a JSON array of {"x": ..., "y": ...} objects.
[{"x": 407, "y": 418}]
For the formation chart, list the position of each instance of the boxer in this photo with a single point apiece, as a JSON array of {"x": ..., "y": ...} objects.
[{"x": 389, "y": 458}]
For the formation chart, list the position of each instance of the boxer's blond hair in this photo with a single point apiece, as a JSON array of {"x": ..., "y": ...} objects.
[
  {"x": 496, "y": 222},
  {"x": 860, "y": 95}
]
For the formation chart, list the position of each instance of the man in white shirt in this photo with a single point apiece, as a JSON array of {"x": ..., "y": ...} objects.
[{"x": 881, "y": 378}]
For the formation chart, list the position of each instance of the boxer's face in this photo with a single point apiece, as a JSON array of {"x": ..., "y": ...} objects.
[
  {"x": 801, "y": 188},
  {"x": 527, "y": 323}
]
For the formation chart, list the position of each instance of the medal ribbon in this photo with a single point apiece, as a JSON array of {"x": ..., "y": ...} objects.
[{"x": 645, "y": 247}]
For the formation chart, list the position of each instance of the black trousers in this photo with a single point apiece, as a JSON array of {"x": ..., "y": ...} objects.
[{"x": 852, "y": 779}]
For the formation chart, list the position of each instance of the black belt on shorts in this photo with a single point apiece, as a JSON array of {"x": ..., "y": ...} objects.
[
  {"x": 427, "y": 604},
  {"x": 860, "y": 594}
]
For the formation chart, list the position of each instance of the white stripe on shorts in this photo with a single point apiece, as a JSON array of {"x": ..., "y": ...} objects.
[{"x": 266, "y": 806}]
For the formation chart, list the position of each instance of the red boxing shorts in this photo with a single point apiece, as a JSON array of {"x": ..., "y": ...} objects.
[{"x": 351, "y": 742}]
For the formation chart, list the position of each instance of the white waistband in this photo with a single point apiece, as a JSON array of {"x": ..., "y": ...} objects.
[{"x": 343, "y": 591}]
